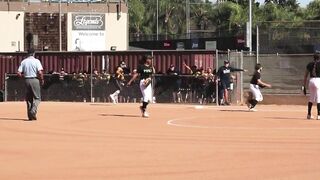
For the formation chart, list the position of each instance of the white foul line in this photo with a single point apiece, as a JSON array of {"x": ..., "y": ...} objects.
[{"x": 172, "y": 123}]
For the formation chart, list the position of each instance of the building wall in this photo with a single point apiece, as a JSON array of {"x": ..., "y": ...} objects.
[
  {"x": 44, "y": 30},
  {"x": 117, "y": 31},
  {"x": 11, "y": 31},
  {"x": 40, "y": 21}
]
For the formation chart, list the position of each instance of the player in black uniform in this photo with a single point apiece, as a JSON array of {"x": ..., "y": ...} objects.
[
  {"x": 145, "y": 70},
  {"x": 255, "y": 85},
  {"x": 313, "y": 68},
  {"x": 119, "y": 82},
  {"x": 224, "y": 75}
]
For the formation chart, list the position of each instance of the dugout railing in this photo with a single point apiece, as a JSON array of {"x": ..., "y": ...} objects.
[{"x": 285, "y": 72}]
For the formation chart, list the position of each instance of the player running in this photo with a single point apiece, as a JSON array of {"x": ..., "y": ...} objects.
[
  {"x": 313, "y": 68},
  {"x": 119, "y": 83},
  {"x": 255, "y": 85},
  {"x": 145, "y": 70}
]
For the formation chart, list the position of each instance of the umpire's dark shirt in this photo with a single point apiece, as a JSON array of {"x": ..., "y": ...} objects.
[{"x": 224, "y": 73}]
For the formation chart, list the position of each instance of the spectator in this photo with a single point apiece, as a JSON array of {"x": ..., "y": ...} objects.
[
  {"x": 62, "y": 74},
  {"x": 174, "y": 83},
  {"x": 210, "y": 85},
  {"x": 173, "y": 70}
]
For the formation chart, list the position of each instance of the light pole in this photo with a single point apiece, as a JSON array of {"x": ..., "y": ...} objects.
[
  {"x": 157, "y": 20},
  {"x": 60, "y": 33},
  {"x": 250, "y": 26},
  {"x": 188, "y": 18}
]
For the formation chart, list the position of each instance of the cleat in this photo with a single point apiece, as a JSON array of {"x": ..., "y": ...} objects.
[
  {"x": 227, "y": 104},
  {"x": 252, "y": 110},
  {"x": 145, "y": 115},
  {"x": 310, "y": 116},
  {"x": 318, "y": 117}
]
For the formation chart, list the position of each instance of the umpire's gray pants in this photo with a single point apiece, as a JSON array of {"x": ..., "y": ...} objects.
[{"x": 33, "y": 96}]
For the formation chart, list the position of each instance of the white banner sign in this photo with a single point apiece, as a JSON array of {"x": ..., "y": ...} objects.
[
  {"x": 88, "y": 40},
  {"x": 88, "y": 32}
]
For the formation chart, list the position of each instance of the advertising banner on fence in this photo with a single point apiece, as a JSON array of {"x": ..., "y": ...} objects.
[{"x": 88, "y": 32}]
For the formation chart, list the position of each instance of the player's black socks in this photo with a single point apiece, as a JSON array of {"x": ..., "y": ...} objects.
[
  {"x": 309, "y": 107},
  {"x": 144, "y": 105},
  {"x": 318, "y": 108},
  {"x": 253, "y": 102}
]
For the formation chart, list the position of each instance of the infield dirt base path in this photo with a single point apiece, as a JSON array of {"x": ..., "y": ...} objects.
[{"x": 178, "y": 142}]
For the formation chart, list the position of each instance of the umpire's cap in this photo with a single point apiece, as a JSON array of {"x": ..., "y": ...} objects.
[{"x": 31, "y": 52}]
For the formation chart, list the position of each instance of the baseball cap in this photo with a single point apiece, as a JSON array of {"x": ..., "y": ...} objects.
[{"x": 226, "y": 62}]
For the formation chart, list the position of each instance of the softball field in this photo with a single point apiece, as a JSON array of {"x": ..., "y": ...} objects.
[{"x": 178, "y": 142}]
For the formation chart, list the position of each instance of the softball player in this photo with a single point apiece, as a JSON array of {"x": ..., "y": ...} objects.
[
  {"x": 119, "y": 82},
  {"x": 145, "y": 71},
  {"x": 313, "y": 68},
  {"x": 255, "y": 85}
]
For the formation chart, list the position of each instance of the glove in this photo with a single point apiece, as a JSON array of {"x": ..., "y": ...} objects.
[
  {"x": 304, "y": 90},
  {"x": 146, "y": 82}
]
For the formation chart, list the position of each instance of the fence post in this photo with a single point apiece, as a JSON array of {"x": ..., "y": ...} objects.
[
  {"x": 153, "y": 78},
  {"x": 108, "y": 65},
  {"x": 5, "y": 88},
  {"x": 241, "y": 77},
  {"x": 103, "y": 63},
  {"x": 217, "y": 87},
  {"x": 91, "y": 80},
  {"x": 258, "y": 46}
]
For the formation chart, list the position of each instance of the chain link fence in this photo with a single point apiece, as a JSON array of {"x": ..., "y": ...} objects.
[
  {"x": 90, "y": 77},
  {"x": 284, "y": 72}
]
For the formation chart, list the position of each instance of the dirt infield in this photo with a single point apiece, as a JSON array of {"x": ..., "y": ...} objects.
[{"x": 179, "y": 142}]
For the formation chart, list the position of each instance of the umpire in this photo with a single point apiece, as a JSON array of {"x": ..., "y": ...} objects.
[{"x": 32, "y": 72}]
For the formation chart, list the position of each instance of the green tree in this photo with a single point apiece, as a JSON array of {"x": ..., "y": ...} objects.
[
  {"x": 136, "y": 15},
  {"x": 313, "y": 10},
  {"x": 228, "y": 17},
  {"x": 200, "y": 15}
]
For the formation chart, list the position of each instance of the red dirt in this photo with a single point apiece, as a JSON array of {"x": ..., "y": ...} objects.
[{"x": 104, "y": 141}]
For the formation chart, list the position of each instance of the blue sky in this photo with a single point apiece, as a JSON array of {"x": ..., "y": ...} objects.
[{"x": 303, "y": 3}]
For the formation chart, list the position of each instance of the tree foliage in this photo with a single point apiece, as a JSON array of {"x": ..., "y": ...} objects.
[{"x": 229, "y": 16}]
